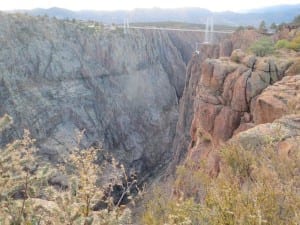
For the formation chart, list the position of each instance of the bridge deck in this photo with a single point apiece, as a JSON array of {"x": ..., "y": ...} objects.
[{"x": 180, "y": 29}]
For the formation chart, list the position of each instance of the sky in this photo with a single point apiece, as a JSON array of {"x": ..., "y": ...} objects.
[{"x": 213, "y": 5}]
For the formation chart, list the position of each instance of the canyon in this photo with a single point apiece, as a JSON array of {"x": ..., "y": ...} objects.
[
  {"x": 145, "y": 97},
  {"x": 123, "y": 89},
  {"x": 179, "y": 127}
]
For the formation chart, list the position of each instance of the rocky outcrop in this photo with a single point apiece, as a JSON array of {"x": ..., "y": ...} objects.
[
  {"x": 287, "y": 31},
  {"x": 198, "y": 73},
  {"x": 123, "y": 89},
  {"x": 241, "y": 39},
  {"x": 278, "y": 100},
  {"x": 283, "y": 133},
  {"x": 228, "y": 89},
  {"x": 234, "y": 94},
  {"x": 186, "y": 109}
]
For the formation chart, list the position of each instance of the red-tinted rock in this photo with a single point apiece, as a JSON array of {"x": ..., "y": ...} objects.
[
  {"x": 225, "y": 123},
  {"x": 243, "y": 127},
  {"x": 277, "y": 100},
  {"x": 226, "y": 48},
  {"x": 239, "y": 101}
]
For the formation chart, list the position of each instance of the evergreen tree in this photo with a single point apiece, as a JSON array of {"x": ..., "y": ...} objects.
[
  {"x": 296, "y": 20},
  {"x": 273, "y": 26},
  {"x": 262, "y": 26}
]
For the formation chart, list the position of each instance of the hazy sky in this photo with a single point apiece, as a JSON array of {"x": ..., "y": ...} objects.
[{"x": 214, "y": 5}]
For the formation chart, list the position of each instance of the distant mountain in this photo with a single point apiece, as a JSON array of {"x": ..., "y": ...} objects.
[
  {"x": 276, "y": 8},
  {"x": 276, "y": 14}
]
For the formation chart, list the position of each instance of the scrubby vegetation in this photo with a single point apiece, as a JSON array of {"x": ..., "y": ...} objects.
[
  {"x": 265, "y": 46},
  {"x": 255, "y": 186},
  {"x": 262, "y": 47},
  {"x": 26, "y": 196},
  {"x": 293, "y": 44}
]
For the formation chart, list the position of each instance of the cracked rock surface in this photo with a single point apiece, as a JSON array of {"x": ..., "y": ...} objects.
[{"x": 234, "y": 94}]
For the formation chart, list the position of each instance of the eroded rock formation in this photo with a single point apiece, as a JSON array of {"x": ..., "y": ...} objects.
[
  {"x": 278, "y": 100},
  {"x": 233, "y": 94},
  {"x": 284, "y": 133}
]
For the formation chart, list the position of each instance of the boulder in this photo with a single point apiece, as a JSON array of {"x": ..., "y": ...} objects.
[
  {"x": 283, "y": 132},
  {"x": 244, "y": 127},
  {"x": 277, "y": 100}
]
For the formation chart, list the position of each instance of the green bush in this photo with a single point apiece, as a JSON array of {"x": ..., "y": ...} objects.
[
  {"x": 294, "y": 44},
  {"x": 282, "y": 44},
  {"x": 262, "y": 47},
  {"x": 296, "y": 20}
]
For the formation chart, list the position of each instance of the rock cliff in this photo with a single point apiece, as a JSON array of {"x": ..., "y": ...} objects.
[
  {"x": 233, "y": 94},
  {"x": 123, "y": 89},
  {"x": 136, "y": 93},
  {"x": 194, "y": 80}
]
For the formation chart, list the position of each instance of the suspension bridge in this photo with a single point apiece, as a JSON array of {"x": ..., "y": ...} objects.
[
  {"x": 209, "y": 29},
  {"x": 179, "y": 29}
]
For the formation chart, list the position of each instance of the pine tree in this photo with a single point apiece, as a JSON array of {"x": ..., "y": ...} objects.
[{"x": 262, "y": 26}]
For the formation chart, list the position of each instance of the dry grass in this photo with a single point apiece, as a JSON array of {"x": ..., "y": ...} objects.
[{"x": 253, "y": 187}]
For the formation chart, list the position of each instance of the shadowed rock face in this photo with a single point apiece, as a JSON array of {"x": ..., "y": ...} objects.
[
  {"x": 186, "y": 107},
  {"x": 59, "y": 76}
]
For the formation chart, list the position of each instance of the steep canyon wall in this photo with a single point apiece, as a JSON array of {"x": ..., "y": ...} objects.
[{"x": 123, "y": 89}]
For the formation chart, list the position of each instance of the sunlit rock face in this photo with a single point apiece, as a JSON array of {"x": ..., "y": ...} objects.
[
  {"x": 234, "y": 94},
  {"x": 123, "y": 89},
  {"x": 208, "y": 77},
  {"x": 278, "y": 100},
  {"x": 227, "y": 93}
]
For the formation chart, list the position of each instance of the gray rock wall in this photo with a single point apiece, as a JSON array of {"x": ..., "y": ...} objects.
[{"x": 58, "y": 76}]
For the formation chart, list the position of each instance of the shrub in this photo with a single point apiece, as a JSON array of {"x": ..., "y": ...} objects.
[
  {"x": 27, "y": 198},
  {"x": 20, "y": 178},
  {"x": 235, "y": 58},
  {"x": 296, "y": 20},
  {"x": 253, "y": 187},
  {"x": 262, "y": 47},
  {"x": 294, "y": 44},
  {"x": 282, "y": 44},
  {"x": 5, "y": 121}
]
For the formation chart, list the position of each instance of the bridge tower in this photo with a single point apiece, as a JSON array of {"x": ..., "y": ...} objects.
[
  {"x": 209, "y": 31},
  {"x": 125, "y": 26}
]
